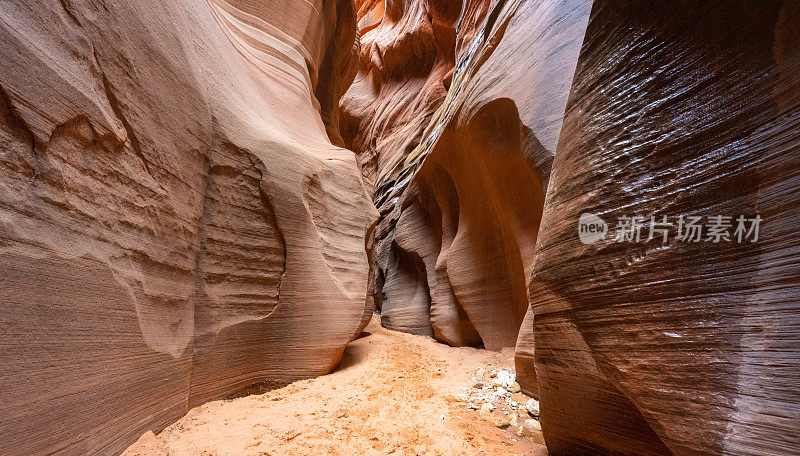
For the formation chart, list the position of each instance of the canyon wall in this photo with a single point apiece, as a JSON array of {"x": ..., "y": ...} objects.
[
  {"x": 672, "y": 345},
  {"x": 455, "y": 115},
  {"x": 177, "y": 221},
  {"x": 676, "y": 346}
]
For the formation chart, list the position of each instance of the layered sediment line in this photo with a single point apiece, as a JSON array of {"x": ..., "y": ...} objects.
[
  {"x": 461, "y": 198},
  {"x": 633, "y": 346},
  {"x": 685, "y": 344}
]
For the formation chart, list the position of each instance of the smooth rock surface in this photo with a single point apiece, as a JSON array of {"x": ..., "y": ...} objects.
[
  {"x": 677, "y": 347},
  {"x": 175, "y": 221},
  {"x": 461, "y": 201}
]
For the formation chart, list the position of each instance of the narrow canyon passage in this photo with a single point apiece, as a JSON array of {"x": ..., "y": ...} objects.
[
  {"x": 409, "y": 227},
  {"x": 394, "y": 393}
]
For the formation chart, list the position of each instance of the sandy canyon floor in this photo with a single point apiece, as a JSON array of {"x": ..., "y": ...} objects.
[{"x": 394, "y": 393}]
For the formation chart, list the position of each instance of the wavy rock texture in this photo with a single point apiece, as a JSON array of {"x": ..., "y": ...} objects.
[
  {"x": 677, "y": 348},
  {"x": 406, "y": 60},
  {"x": 175, "y": 223},
  {"x": 461, "y": 199}
]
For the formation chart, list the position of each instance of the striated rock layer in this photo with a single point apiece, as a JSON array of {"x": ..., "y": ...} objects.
[
  {"x": 175, "y": 222},
  {"x": 461, "y": 188},
  {"x": 674, "y": 347},
  {"x": 690, "y": 109}
]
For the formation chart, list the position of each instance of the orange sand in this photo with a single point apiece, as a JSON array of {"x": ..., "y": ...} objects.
[{"x": 392, "y": 394}]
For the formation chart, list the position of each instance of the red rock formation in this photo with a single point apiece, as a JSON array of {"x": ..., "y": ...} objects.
[
  {"x": 175, "y": 224},
  {"x": 675, "y": 348},
  {"x": 461, "y": 189},
  {"x": 407, "y": 56}
]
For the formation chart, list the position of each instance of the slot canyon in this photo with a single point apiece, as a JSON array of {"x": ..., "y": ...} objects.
[{"x": 409, "y": 227}]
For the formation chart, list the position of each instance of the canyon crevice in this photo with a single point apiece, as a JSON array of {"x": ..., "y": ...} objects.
[
  {"x": 612, "y": 110},
  {"x": 460, "y": 194}
]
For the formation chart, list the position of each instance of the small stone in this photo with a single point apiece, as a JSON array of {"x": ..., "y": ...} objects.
[
  {"x": 532, "y": 406},
  {"x": 514, "y": 388},
  {"x": 523, "y": 431},
  {"x": 506, "y": 378},
  {"x": 472, "y": 406},
  {"x": 531, "y": 429},
  {"x": 487, "y": 406},
  {"x": 501, "y": 391},
  {"x": 501, "y": 421},
  {"x": 514, "y": 420},
  {"x": 533, "y": 424},
  {"x": 478, "y": 385}
]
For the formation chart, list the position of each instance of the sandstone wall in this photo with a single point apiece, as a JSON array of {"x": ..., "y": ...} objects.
[
  {"x": 674, "y": 348},
  {"x": 175, "y": 222},
  {"x": 682, "y": 108},
  {"x": 461, "y": 156},
  {"x": 406, "y": 62}
]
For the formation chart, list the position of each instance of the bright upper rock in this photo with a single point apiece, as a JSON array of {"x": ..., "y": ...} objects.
[{"x": 455, "y": 115}]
